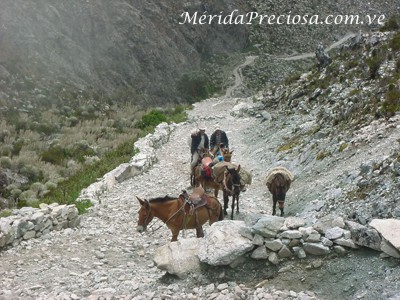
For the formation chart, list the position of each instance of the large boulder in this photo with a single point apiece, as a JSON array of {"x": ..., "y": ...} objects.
[
  {"x": 224, "y": 243},
  {"x": 364, "y": 236},
  {"x": 389, "y": 229},
  {"x": 179, "y": 258},
  {"x": 268, "y": 226}
]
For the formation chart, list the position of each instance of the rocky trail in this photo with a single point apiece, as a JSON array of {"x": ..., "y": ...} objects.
[{"x": 106, "y": 258}]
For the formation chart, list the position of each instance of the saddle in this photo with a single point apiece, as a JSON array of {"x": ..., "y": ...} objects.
[{"x": 198, "y": 197}]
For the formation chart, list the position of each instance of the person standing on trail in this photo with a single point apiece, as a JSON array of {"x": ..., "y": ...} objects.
[
  {"x": 218, "y": 140},
  {"x": 199, "y": 144}
]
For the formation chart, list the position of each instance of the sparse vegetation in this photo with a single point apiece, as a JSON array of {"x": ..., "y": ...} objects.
[
  {"x": 290, "y": 144},
  {"x": 362, "y": 192},
  {"x": 195, "y": 86},
  {"x": 342, "y": 147},
  {"x": 395, "y": 42},
  {"x": 322, "y": 154},
  {"x": 392, "y": 24},
  {"x": 392, "y": 101},
  {"x": 59, "y": 151}
]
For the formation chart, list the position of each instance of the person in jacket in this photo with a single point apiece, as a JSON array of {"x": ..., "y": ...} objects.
[
  {"x": 199, "y": 144},
  {"x": 218, "y": 139}
]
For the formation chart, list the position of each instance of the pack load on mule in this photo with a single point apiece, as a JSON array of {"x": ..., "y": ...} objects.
[
  {"x": 219, "y": 169},
  {"x": 278, "y": 181},
  {"x": 184, "y": 212}
]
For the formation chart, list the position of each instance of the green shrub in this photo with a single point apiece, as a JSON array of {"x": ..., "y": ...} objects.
[
  {"x": 5, "y": 162},
  {"x": 54, "y": 155},
  {"x": 50, "y": 185},
  {"x": 83, "y": 205},
  {"x": 44, "y": 128},
  {"x": 342, "y": 147},
  {"x": 31, "y": 172},
  {"x": 17, "y": 146},
  {"x": 152, "y": 119},
  {"x": 28, "y": 198},
  {"x": 5, "y": 213},
  {"x": 6, "y": 150},
  {"x": 392, "y": 101},
  {"x": 292, "y": 78},
  {"x": 321, "y": 155},
  {"x": 392, "y": 24},
  {"x": 374, "y": 64},
  {"x": 195, "y": 86},
  {"x": 395, "y": 42},
  {"x": 80, "y": 150}
]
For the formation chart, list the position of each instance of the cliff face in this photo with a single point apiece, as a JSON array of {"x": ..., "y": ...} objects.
[{"x": 107, "y": 45}]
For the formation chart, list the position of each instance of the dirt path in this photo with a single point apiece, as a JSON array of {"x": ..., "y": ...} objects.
[
  {"x": 237, "y": 73},
  {"x": 312, "y": 54}
]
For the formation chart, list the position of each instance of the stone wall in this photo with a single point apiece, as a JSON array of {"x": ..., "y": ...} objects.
[
  {"x": 275, "y": 239},
  {"x": 142, "y": 161},
  {"x": 27, "y": 222}
]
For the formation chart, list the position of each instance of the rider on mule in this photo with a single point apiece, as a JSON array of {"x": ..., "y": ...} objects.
[
  {"x": 199, "y": 144},
  {"x": 218, "y": 140}
]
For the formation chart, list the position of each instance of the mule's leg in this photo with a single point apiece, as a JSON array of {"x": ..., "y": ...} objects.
[
  {"x": 233, "y": 206},
  {"x": 175, "y": 233},
  {"x": 281, "y": 207},
  {"x": 199, "y": 232},
  {"x": 226, "y": 202},
  {"x": 216, "y": 190},
  {"x": 274, "y": 204},
  {"x": 237, "y": 204}
]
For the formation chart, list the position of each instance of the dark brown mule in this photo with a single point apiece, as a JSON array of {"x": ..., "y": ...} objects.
[
  {"x": 278, "y": 181},
  {"x": 232, "y": 186},
  {"x": 179, "y": 213}
]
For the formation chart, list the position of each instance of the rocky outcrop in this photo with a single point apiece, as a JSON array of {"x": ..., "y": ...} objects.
[{"x": 322, "y": 57}]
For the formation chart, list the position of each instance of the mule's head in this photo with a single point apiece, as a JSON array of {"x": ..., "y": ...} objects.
[
  {"x": 227, "y": 154},
  {"x": 145, "y": 215},
  {"x": 235, "y": 179}
]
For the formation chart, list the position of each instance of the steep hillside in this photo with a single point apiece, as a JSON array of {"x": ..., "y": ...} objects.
[
  {"x": 130, "y": 47},
  {"x": 137, "y": 51}
]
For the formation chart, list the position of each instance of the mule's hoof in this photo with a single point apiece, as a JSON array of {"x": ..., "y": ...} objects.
[{"x": 225, "y": 213}]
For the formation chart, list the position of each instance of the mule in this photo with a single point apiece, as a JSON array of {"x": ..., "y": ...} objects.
[
  {"x": 180, "y": 213},
  {"x": 204, "y": 153},
  {"x": 227, "y": 154},
  {"x": 278, "y": 181},
  {"x": 232, "y": 186}
]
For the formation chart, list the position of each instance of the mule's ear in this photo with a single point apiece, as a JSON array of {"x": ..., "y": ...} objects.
[
  {"x": 142, "y": 202},
  {"x": 238, "y": 169}
]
